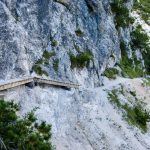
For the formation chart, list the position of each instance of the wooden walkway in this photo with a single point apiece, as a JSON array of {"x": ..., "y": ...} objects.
[{"x": 23, "y": 81}]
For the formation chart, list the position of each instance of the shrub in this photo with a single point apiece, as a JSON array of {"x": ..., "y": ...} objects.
[
  {"x": 54, "y": 43},
  {"x": 129, "y": 70},
  {"x": 81, "y": 60},
  {"x": 122, "y": 18},
  {"x": 140, "y": 40},
  {"x": 45, "y": 59},
  {"x": 44, "y": 72},
  {"x": 79, "y": 32},
  {"x": 130, "y": 67},
  {"x": 146, "y": 82},
  {"x": 143, "y": 9},
  {"x": 56, "y": 65},
  {"x": 40, "y": 61},
  {"x": 114, "y": 98},
  {"x": 146, "y": 57},
  {"x": 137, "y": 116},
  {"x": 111, "y": 73},
  {"x": 25, "y": 133},
  {"x": 48, "y": 55},
  {"x": 39, "y": 70}
]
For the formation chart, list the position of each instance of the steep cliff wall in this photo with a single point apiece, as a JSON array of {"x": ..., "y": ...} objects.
[
  {"x": 74, "y": 40},
  {"x": 28, "y": 28}
]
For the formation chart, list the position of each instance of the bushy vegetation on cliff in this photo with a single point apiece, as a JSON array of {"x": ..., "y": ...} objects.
[
  {"x": 135, "y": 114},
  {"x": 143, "y": 8},
  {"x": 122, "y": 17},
  {"x": 22, "y": 133}
]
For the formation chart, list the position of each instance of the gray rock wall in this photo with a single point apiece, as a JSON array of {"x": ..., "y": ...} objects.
[
  {"x": 27, "y": 28},
  {"x": 81, "y": 119}
]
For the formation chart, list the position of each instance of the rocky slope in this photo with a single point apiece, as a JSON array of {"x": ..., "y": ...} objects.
[
  {"x": 40, "y": 36},
  {"x": 85, "y": 119}
]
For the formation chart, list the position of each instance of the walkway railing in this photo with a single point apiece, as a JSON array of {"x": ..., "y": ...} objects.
[{"x": 23, "y": 81}]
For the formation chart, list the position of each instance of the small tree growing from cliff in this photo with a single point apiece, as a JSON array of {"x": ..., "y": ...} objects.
[{"x": 22, "y": 133}]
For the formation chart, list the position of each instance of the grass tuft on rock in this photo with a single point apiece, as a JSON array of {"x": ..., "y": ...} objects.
[
  {"x": 111, "y": 73},
  {"x": 114, "y": 98},
  {"x": 122, "y": 18},
  {"x": 130, "y": 67},
  {"x": 48, "y": 55},
  {"x": 142, "y": 7},
  {"x": 54, "y": 43},
  {"x": 79, "y": 33},
  {"x": 56, "y": 65},
  {"x": 44, "y": 60},
  {"x": 135, "y": 115},
  {"x": 81, "y": 60},
  {"x": 39, "y": 70}
]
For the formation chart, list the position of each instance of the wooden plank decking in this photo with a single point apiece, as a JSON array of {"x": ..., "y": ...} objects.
[{"x": 23, "y": 81}]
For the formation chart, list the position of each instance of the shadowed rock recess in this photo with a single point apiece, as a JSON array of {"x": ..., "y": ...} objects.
[{"x": 74, "y": 41}]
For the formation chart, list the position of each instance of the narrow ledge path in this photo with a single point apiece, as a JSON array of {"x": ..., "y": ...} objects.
[{"x": 25, "y": 80}]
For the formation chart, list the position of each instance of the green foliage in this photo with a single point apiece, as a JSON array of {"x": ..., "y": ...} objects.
[
  {"x": 122, "y": 18},
  {"x": 146, "y": 56},
  {"x": 39, "y": 70},
  {"x": 146, "y": 82},
  {"x": 56, "y": 65},
  {"x": 79, "y": 32},
  {"x": 47, "y": 55},
  {"x": 133, "y": 93},
  {"x": 54, "y": 43},
  {"x": 114, "y": 98},
  {"x": 40, "y": 61},
  {"x": 45, "y": 59},
  {"x": 22, "y": 134},
  {"x": 130, "y": 67},
  {"x": 142, "y": 8},
  {"x": 131, "y": 20},
  {"x": 111, "y": 73},
  {"x": 81, "y": 60},
  {"x": 135, "y": 115},
  {"x": 140, "y": 40}
]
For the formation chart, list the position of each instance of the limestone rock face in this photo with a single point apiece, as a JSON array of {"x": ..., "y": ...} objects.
[
  {"x": 28, "y": 28},
  {"x": 84, "y": 118}
]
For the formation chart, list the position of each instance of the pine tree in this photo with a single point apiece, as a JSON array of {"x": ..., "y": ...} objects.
[{"x": 22, "y": 133}]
